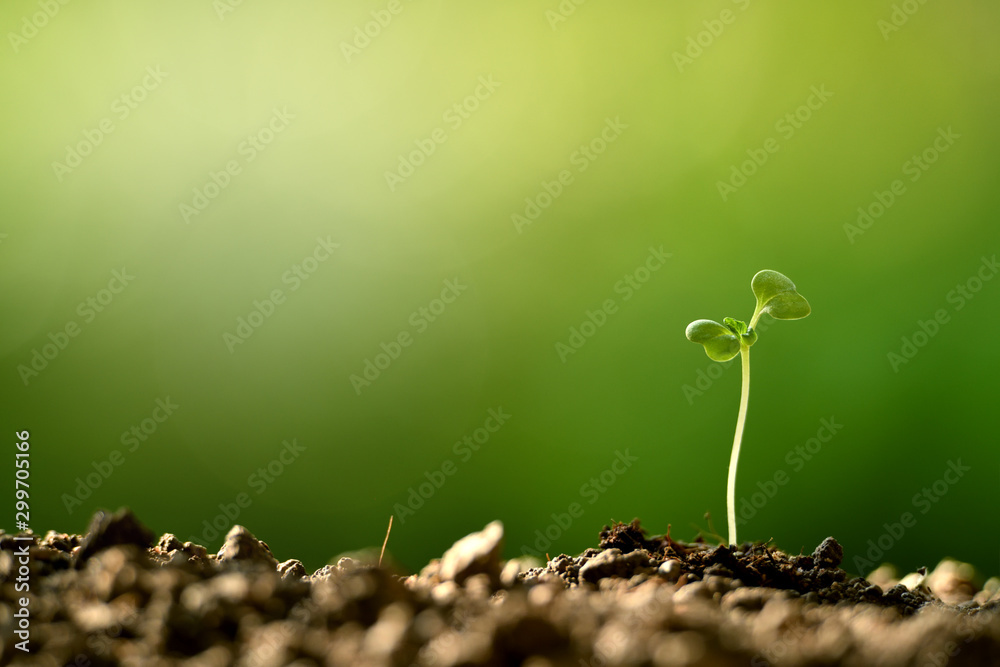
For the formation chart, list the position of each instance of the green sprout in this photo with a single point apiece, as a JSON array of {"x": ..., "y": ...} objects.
[{"x": 777, "y": 297}]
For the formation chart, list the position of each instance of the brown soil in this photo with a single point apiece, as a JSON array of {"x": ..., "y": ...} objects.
[{"x": 119, "y": 595}]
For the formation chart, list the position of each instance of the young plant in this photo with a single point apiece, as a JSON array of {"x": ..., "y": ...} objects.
[{"x": 777, "y": 297}]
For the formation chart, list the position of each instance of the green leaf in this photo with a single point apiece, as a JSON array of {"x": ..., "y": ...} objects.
[
  {"x": 777, "y": 297},
  {"x": 720, "y": 343}
]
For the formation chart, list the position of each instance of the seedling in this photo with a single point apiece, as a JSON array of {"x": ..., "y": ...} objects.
[{"x": 777, "y": 297}]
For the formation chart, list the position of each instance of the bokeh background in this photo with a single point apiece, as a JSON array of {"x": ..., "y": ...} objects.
[{"x": 154, "y": 100}]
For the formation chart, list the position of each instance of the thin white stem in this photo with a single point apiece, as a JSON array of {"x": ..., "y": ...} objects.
[{"x": 737, "y": 440}]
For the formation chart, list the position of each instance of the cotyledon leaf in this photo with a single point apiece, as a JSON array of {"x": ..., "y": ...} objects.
[
  {"x": 777, "y": 297},
  {"x": 720, "y": 343}
]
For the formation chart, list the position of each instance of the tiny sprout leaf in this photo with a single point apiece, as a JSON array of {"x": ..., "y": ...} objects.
[
  {"x": 777, "y": 297},
  {"x": 736, "y": 326},
  {"x": 721, "y": 344}
]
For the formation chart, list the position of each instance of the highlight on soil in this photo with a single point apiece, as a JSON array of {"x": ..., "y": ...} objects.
[{"x": 776, "y": 296}]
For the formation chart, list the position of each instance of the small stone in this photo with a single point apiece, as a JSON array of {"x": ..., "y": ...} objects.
[
  {"x": 612, "y": 563},
  {"x": 242, "y": 546},
  {"x": 512, "y": 568},
  {"x": 478, "y": 553},
  {"x": 108, "y": 530},
  {"x": 292, "y": 569},
  {"x": 601, "y": 566},
  {"x": 671, "y": 569},
  {"x": 828, "y": 554},
  {"x": 169, "y": 542}
]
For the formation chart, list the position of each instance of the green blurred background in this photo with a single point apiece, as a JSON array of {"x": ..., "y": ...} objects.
[{"x": 349, "y": 108}]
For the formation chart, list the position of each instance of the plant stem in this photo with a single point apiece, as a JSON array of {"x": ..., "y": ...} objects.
[{"x": 737, "y": 440}]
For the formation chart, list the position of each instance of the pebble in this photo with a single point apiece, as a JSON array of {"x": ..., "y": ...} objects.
[
  {"x": 478, "y": 553},
  {"x": 241, "y": 546},
  {"x": 108, "y": 530},
  {"x": 670, "y": 569},
  {"x": 292, "y": 569},
  {"x": 828, "y": 554},
  {"x": 612, "y": 563}
]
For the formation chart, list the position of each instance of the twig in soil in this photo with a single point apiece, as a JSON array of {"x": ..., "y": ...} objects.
[
  {"x": 711, "y": 532},
  {"x": 678, "y": 549},
  {"x": 385, "y": 542}
]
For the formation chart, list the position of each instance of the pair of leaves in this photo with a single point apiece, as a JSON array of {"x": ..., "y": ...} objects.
[
  {"x": 722, "y": 343},
  {"x": 776, "y": 296}
]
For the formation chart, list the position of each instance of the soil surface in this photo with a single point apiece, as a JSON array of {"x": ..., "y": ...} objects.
[{"x": 121, "y": 596}]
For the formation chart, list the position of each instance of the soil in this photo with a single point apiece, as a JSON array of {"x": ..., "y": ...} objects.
[{"x": 120, "y": 595}]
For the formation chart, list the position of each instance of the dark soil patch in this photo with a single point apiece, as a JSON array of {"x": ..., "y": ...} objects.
[{"x": 817, "y": 577}]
